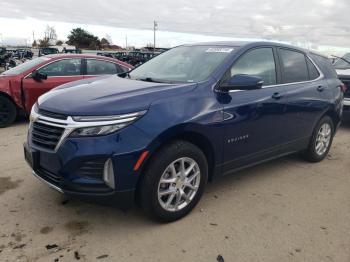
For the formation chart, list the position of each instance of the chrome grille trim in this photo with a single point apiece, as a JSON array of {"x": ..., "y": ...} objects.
[
  {"x": 48, "y": 183},
  {"x": 69, "y": 125}
]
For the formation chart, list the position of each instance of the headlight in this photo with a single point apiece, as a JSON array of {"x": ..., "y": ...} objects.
[
  {"x": 33, "y": 113},
  {"x": 96, "y": 130},
  {"x": 103, "y": 125}
]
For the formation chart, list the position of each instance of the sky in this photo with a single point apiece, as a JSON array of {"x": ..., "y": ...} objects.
[{"x": 316, "y": 24}]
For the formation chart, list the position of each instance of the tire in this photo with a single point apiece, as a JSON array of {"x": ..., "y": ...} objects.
[
  {"x": 8, "y": 112},
  {"x": 321, "y": 140},
  {"x": 166, "y": 165}
]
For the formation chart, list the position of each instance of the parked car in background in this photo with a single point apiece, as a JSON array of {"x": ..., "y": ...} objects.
[
  {"x": 71, "y": 51},
  {"x": 7, "y": 58},
  {"x": 2, "y": 56},
  {"x": 47, "y": 51},
  {"x": 23, "y": 54},
  {"x": 138, "y": 58},
  {"x": 342, "y": 66},
  {"x": 21, "y": 86},
  {"x": 189, "y": 115},
  {"x": 134, "y": 58}
]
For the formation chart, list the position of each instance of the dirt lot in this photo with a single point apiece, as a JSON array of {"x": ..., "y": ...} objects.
[{"x": 284, "y": 210}]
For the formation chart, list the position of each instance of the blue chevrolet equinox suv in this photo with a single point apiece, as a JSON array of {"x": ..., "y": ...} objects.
[{"x": 157, "y": 134}]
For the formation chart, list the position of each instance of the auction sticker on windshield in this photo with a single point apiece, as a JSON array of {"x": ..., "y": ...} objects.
[{"x": 219, "y": 50}]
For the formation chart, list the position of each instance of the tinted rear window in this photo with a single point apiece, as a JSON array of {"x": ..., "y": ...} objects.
[{"x": 294, "y": 66}]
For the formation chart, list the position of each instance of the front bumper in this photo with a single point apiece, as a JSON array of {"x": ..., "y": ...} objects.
[
  {"x": 123, "y": 200},
  {"x": 68, "y": 170}
]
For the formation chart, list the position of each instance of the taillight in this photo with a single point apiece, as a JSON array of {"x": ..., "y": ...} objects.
[{"x": 343, "y": 87}]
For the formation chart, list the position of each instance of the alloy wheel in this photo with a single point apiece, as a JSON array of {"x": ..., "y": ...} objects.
[
  {"x": 179, "y": 184},
  {"x": 323, "y": 139}
]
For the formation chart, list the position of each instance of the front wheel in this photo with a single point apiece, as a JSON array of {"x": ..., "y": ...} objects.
[
  {"x": 321, "y": 140},
  {"x": 8, "y": 112},
  {"x": 174, "y": 181}
]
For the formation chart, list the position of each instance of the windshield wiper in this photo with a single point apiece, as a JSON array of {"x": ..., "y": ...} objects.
[
  {"x": 150, "y": 79},
  {"x": 342, "y": 58}
]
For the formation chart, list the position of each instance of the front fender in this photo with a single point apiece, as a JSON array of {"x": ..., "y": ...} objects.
[{"x": 11, "y": 88}]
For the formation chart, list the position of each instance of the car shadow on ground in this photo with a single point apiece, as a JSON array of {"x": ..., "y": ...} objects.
[
  {"x": 136, "y": 217},
  {"x": 345, "y": 123},
  {"x": 21, "y": 120}
]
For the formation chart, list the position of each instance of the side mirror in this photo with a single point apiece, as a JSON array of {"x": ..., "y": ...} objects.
[
  {"x": 39, "y": 76},
  {"x": 242, "y": 82}
]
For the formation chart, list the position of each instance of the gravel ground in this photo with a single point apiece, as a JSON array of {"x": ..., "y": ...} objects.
[{"x": 284, "y": 210}]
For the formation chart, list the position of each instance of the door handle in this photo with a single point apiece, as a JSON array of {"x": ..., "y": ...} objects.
[
  {"x": 320, "y": 88},
  {"x": 276, "y": 95}
]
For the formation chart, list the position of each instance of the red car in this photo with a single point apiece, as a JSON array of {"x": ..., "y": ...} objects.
[{"x": 21, "y": 86}]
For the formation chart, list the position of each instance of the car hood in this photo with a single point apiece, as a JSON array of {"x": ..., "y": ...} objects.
[{"x": 108, "y": 95}]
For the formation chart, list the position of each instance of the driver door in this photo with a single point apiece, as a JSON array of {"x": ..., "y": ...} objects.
[
  {"x": 58, "y": 73},
  {"x": 254, "y": 120}
]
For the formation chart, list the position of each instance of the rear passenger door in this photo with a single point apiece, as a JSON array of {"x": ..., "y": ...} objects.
[
  {"x": 306, "y": 92},
  {"x": 98, "y": 67}
]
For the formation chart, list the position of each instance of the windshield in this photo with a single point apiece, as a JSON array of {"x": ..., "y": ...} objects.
[
  {"x": 25, "y": 66},
  {"x": 182, "y": 64},
  {"x": 343, "y": 63}
]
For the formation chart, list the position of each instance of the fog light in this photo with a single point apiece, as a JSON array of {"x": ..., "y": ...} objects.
[{"x": 108, "y": 174}]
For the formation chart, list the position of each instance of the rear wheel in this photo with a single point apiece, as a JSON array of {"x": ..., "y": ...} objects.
[
  {"x": 174, "y": 181},
  {"x": 321, "y": 140},
  {"x": 8, "y": 112}
]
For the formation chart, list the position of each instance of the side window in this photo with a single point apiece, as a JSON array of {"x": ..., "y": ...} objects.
[
  {"x": 99, "y": 67},
  {"x": 65, "y": 67},
  {"x": 325, "y": 65},
  {"x": 294, "y": 66},
  {"x": 313, "y": 72},
  {"x": 258, "y": 62}
]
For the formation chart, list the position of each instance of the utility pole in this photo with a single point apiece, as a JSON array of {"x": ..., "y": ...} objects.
[
  {"x": 155, "y": 25},
  {"x": 126, "y": 42}
]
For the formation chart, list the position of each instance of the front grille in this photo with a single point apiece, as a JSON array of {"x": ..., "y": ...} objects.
[
  {"x": 92, "y": 168},
  {"x": 48, "y": 176},
  {"x": 52, "y": 114},
  {"x": 46, "y": 136}
]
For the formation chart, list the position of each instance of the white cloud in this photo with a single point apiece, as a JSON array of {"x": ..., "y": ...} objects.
[{"x": 322, "y": 22}]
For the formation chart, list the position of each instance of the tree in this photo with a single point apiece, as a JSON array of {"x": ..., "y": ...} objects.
[
  {"x": 104, "y": 43},
  {"x": 109, "y": 39},
  {"x": 59, "y": 42},
  {"x": 34, "y": 44},
  {"x": 81, "y": 38},
  {"x": 44, "y": 42},
  {"x": 50, "y": 34}
]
